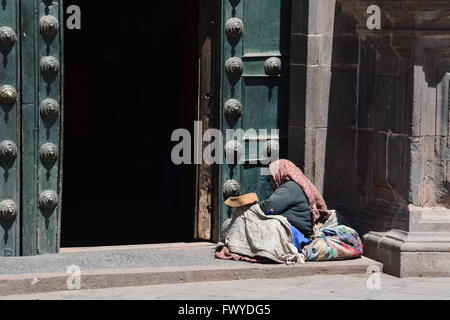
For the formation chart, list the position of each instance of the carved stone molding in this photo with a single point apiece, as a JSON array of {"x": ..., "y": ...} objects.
[
  {"x": 8, "y": 151},
  {"x": 48, "y": 200},
  {"x": 231, "y": 188},
  {"x": 8, "y": 37},
  {"x": 8, "y": 210},
  {"x": 8, "y": 95},
  {"x": 49, "y": 26}
]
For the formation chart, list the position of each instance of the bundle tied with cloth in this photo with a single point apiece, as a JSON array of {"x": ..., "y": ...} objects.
[{"x": 252, "y": 236}]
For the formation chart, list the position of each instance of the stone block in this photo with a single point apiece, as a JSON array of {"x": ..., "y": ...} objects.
[
  {"x": 300, "y": 16},
  {"x": 409, "y": 254},
  {"x": 345, "y": 49},
  {"x": 429, "y": 186},
  {"x": 342, "y": 98},
  {"x": 344, "y": 23},
  {"x": 340, "y": 166},
  {"x": 398, "y": 167},
  {"x": 299, "y": 49},
  {"x": 325, "y": 11},
  {"x": 298, "y": 91},
  {"x": 296, "y": 152},
  {"x": 321, "y": 107}
]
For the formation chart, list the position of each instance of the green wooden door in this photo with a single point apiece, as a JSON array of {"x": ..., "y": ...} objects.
[
  {"x": 255, "y": 93},
  {"x": 30, "y": 126}
]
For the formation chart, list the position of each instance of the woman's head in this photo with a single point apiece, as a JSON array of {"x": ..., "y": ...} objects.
[{"x": 282, "y": 171}]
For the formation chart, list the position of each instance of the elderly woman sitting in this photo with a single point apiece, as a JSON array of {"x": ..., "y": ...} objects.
[
  {"x": 292, "y": 225},
  {"x": 296, "y": 198}
]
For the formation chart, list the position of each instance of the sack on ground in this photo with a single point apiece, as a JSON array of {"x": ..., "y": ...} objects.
[{"x": 332, "y": 242}]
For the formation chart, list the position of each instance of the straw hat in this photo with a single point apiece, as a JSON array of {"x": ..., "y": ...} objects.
[{"x": 244, "y": 200}]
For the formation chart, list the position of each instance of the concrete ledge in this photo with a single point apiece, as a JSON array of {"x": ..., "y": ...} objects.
[{"x": 102, "y": 279}]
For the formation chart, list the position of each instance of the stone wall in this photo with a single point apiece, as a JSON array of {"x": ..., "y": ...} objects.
[
  {"x": 323, "y": 117},
  {"x": 402, "y": 135},
  {"x": 369, "y": 123}
]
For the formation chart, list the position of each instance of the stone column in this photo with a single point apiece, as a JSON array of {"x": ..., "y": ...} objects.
[
  {"x": 311, "y": 47},
  {"x": 324, "y": 79},
  {"x": 403, "y": 135}
]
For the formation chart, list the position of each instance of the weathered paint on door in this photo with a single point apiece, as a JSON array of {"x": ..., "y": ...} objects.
[
  {"x": 254, "y": 90},
  {"x": 10, "y": 138},
  {"x": 32, "y": 178}
]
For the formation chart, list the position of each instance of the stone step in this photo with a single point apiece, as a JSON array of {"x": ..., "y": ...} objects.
[{"x": 103, "y": 268}]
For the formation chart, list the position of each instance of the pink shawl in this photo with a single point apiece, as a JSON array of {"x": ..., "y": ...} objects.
[{"x": 284, "y": 170}]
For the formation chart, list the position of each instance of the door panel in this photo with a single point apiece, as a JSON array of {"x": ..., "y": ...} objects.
[
  {"x": 48, "y": 145},
  {"x": 9, "y": 129},
  {"x": 33, "y": 179},
  {"x": 255, "y": 83}
]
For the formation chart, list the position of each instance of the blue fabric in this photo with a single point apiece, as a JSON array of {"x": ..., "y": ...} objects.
[{"x": 299, "y": 239}]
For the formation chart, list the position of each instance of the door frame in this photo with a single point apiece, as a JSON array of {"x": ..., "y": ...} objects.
[{"x": 208, "y": 111}]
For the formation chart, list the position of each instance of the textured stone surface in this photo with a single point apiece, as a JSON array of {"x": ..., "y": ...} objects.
[
  {"x": 323, "y": 287},
  {"x": 386, "y": 146},
  {"x": 324, "y": 58},
  {"x": 405, "y": 254},
  {"x": 404, "y": 14},
  {"x": 140, "y": 266}
]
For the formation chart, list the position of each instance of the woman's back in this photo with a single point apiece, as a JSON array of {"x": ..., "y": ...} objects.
[{"x": 290, "y": 201}]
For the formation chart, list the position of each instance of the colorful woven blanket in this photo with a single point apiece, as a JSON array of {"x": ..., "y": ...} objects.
[{"x": 332, "y": 241}]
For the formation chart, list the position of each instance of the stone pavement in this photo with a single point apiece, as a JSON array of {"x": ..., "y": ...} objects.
[
  {"x": 130, "y": 266},
  {"x": 323, "y": 287}
]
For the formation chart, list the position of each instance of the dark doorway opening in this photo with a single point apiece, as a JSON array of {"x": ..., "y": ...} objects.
[{"x": 131, "y": 79}]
